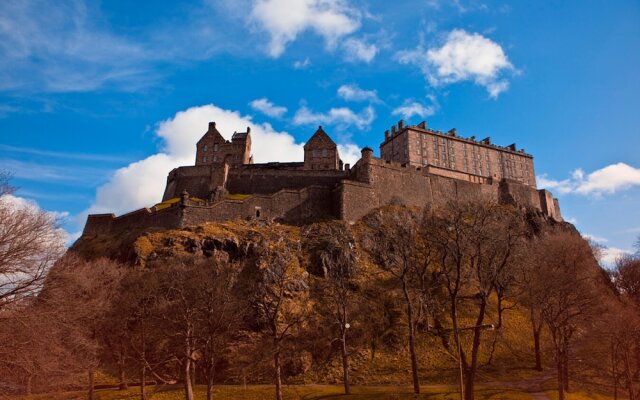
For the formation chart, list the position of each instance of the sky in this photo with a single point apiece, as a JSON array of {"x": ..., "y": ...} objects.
[{"x": 100, "y": 100}]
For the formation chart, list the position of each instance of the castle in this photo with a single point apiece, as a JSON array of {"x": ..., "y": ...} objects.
[{"x": 417, "y": 166}]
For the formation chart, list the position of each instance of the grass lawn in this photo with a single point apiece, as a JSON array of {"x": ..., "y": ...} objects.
[{"x": 302, "y": 392}]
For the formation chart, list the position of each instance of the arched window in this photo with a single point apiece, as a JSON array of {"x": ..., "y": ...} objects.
[
  {"x": 205, "y": 148},
  {"x": 215, "y": 147}
]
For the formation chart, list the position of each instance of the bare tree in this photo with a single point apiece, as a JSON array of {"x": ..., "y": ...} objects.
[
  {"x": 76, "y": 297},
  {"x": 531, "y": 291},
  {"x": 339, "y": 263},
  {"x": 220, "y": 314},
  {"x": 281, "y": 299},
  {"x": 30, "y": 242},
  {"x": 475, "y": 244},
  {"x": 567, "y": 265},
  {"x": 394, "y": 239}
]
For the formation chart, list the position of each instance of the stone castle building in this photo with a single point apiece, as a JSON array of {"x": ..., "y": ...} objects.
[{"x": 418, "y": 166}]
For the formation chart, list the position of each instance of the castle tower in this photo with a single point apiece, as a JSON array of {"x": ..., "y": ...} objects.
[
  {"x": 321, "y": 153},
  {"x": 212, "y": 148}
]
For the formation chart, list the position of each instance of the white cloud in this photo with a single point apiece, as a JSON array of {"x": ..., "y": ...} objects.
[
  {"x": 358, "y": 50},
  {"x": 410, "y": 108},
  {"x": 141, "y": 184},
  {"x": 594, "y": 238},
  {"x": 462, "y": 56},
  {"x": 266, "y": 107},
  {"x": 302, "y": 64},
  {"x": 342, "y": 117},
  {"x": 349, "y": 153},
  {"x": 284, "y": 20},
  {"x": 355, "y": 93},
  {"x": 610, "y": 179},
  {"x": 609, "y": 255}
]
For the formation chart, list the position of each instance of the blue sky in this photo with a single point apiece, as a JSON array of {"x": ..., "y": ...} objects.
[{"x": 99, "y": 100}]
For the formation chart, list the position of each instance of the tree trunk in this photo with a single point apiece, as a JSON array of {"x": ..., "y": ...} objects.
[
  {"x": 560, "y": 377},
  {"x": 345, "y": 363},
  {"x": 91, "y": 379},
  {"x": 188, "y": 389},
  {"x": 210, "y": 375},
  {"x": 122, "y": 373},
  {"x": 412, "y": 341},
  {"x": 143, "y": 383},
  {"x": 536, "y": 349},
  {"x": 276, "y": 360},
  {"x": 469, "y": 382},
  {"x": 565, "y": 370}
]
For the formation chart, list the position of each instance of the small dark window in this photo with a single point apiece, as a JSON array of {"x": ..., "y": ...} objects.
[{"x": 258, "y": 209}]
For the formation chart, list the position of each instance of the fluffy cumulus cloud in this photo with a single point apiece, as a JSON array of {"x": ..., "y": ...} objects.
[
  {"x": 342, "y": 117},
  {"x": 607, "y": 180},
  {"x": 266, "y": 107},
  {"x": 284, "y": 20},
  {"x": 462, "y": 56},
  {"x": 141, "y": 183},
  {"x": 359, "y": 50},
  {"x": 410, "y": 108},
  {"x": 353, "y": 92}
]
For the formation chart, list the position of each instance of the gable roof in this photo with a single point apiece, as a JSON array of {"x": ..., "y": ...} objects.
[
  {"x": 212, "y": 133},
  {"x": 320, "y": 139}
]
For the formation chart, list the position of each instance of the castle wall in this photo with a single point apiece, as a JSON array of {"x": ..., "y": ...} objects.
[
  {"x": 287, "y": 205},
  {"x": 98, "y": 224},
  {"x": 271, "y": 180},
  {"x": 198, "y": 181}
]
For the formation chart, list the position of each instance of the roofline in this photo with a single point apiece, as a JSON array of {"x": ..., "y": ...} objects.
[{"x": 459, "y": 138}]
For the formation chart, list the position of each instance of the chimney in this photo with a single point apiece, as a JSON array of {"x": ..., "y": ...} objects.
[
  {"x": 347, "y": 167},
  {"x": 400, "y": 125},
  {"x": 393, "y": 130},
  {"x": 248, "y": 129},
  {"x": 512, "y": 147},
  {"x": 486, "y": 140},
  {"x": 472, "y": 138},
  {"x": 212, "y": 126},
  {"x": 452, "y": 132},
  {"x": 386, "y": 135},
  {"x": 422, "y": 125}
]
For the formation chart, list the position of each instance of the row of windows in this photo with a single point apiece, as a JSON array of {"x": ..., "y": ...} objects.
[
  {"x": 206, "y": 147},
  {"x": 318, "y": 153}
]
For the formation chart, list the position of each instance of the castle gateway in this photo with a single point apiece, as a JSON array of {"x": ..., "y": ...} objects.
[{"x": 418, "y": 166}]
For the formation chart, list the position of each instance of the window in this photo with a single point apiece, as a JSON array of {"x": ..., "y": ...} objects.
[
  {"x": 258, "y": 212},
  {"x": 215, "y": 147},
  {"x": 215, "y": 158},
  {"x": 204, "y": 159},
  {"x": 205, "y": 148},
  {"x": 324, "y": 152}
]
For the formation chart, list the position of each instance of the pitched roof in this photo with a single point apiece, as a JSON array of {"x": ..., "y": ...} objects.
[
  {"x": 320, "y": 139},
  {"x": 212, "y": 132}
]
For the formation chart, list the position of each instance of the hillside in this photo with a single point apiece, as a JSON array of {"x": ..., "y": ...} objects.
[{"x": 378, "y": 356}]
